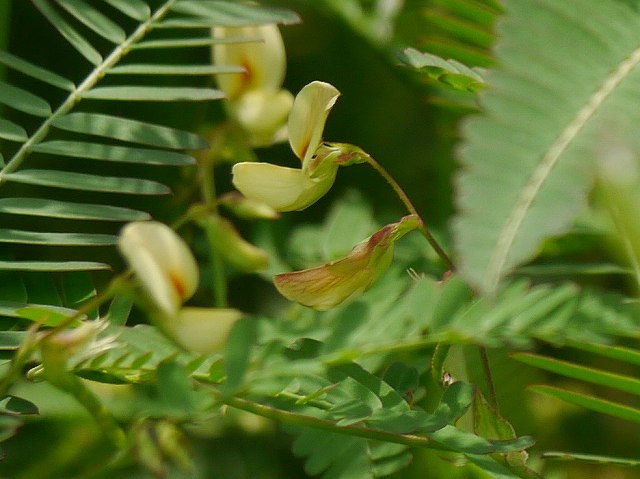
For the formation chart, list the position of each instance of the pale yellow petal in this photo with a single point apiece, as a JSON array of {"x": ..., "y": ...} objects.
[
  {"x": 161, "y": 261},
  {"x": 308, "y": 116},
  {"x": 264, "y": 60},
  {"x": 203, "y": 330},
  {"x": 283, "y": 189}
]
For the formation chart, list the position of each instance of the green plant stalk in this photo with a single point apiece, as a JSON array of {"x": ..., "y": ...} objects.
[
  {"x": 208, "y": 188},
  {"x": 411, "y": 209},
  {"x": 294, "y": 419}
]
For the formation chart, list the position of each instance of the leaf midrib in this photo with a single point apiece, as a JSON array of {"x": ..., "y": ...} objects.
[{"x": 513, "y": 224}]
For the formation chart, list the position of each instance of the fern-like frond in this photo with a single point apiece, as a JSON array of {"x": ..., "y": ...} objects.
[
  {"x": 557, "y": 89},
  {"x": 48, "y": 179}
]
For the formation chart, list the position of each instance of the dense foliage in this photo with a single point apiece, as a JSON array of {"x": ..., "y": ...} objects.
[{"x": 415, "y": 255}]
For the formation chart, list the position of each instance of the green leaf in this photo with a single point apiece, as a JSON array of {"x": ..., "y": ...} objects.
[
  {"x": 492, "y": 466},
  {"x": 592, "y": 403},
  {"x": 11, "y": 131},
  {"x": 123, "y": 154},
  {"x": 592, "y": 458},
  {"x": 80, "y": 181},
  {"x": 449, "y": 72},
  {"x": 68, "y": 32},
  {"x": 190, "y": 42},
  {"x": 463, "y": 30},
  {"x": 130, "y": 130},
  {"x": 234, "y": 13},
  {"x": 136, "y": 9},
  {"x": 34, "y": 71},
  {"x": 62, "y": 209},
  {"x": 159, "y": 69},
  {"x": 152, "y": 93},
  {"x": 456, "y": 400},
  {"x": 572, "y": 269},
  {"x": 94, "y": 19},
  {"x": 51, "y": 266},
  {"x": 402, "y": 378},
  {"x": 237, "y": 355},
  {"x": 452, "y": 297},
  {"x": 343, "y": 456},
  {"x": 119, "y": 310},
  {"x": 11, "y": 340},
  {"x": 50, "y": 316},
  {"x": 583, "y": 373},
  {"x": 19, "y": 406},
  {"x": 526, "y": 170},
  {"x": 628, "y": 355},
  {"x": 56, "y": 239},
  {"x": 456, "y": 440},
  {"x": 33, "y": 312},
  {"x": 23, "y": 101},
  {"x": 175, "y": 388}
]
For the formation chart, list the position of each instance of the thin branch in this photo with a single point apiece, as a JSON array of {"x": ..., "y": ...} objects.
[
  {"x": 291, "y": 418},
  {"x": 412, "y": 209}
]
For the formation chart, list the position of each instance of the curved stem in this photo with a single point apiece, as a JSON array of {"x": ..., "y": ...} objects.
[{"x": 412, "y": 209}]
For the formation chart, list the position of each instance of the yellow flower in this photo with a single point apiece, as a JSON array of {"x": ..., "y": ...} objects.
[
  {"x": 331, "y": 284},
  {"x": 289, "y": 189},
  {"x": 162, "y": 263},
  {"x": 256, "y": 98}
]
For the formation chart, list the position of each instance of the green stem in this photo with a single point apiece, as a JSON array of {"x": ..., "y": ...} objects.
[
  {"x": 294, "y": 419},
  {"x": 412, "y": 210},
  {"x": 207, "y": 185}
]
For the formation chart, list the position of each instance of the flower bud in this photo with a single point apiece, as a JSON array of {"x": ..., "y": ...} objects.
[
  {"x": 162, "y": 263},
  {"x": 233, "y": 248},
  {"x": 329, "y": 285}
]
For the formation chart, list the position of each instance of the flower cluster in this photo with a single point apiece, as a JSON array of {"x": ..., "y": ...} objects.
[{"x": 162, "y": 261}]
